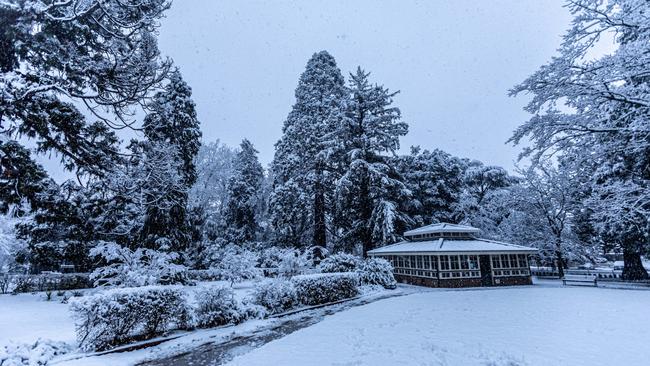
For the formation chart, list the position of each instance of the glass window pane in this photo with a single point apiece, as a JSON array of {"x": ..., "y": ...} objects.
[
  {"x": 504, "y": 261},
  {"x": 464, "y": 262},
  {"x": 513, "y": 261},
  {"x": 496, "y": 263},
  {"x": 454, "y": 261},
  {"x": 444, "y": 262}
]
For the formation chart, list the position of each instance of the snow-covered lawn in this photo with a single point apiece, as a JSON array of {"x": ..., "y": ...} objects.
[
  {"x": 534, "y": 325},
  {"x": 25, "y": 318}
]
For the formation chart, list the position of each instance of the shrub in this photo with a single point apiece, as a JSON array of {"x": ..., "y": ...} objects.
[
  {"x": 341, "y": 262},
  {"x": 38, "y": 353},
  {"x": 235, "y": 264},
  {"x": 275, "y": 295},
  {"x": 115, "y": 317},
  {"x": 217, "y": 306},
  {"x": 323, "y": 288},
  {"x": 376, "y": 271},
  {"x": 140, "y": 267}
]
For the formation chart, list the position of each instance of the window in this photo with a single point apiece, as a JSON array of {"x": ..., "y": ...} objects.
[
  {"x": 505, "y": 263},
  {"x": 510, "y": 265},
  {"x": 453, "y": 259},
  {"x": 464, "y": 262},
  {"x": 427, "y": 262},
  {"x": 434, "y": 262},
  {"x": 419, "y": 262},
  {"x": 523, "y": 260},
  {"x": 496, "y": 263},
  {"x": 473, "y": 262},
  {"x": 444, "y": 262}
]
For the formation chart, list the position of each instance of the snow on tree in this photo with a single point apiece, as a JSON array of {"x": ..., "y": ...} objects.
[
  {"x": 244, "y": 189},
  {"x": 595, "y": 108},
  {"x": 58, "y": 232},
  {"x": 234, "y": 264},
  {"x": 133, "y": 268},
  {"x": 209, "y": 195},
  {"x": 21, "y": 178},
  {"x": 370, "y": 189},
  {"x": 12, "y": 247},
  {"x": 301, "y": 200},
  {"x": 545, "y": 203},
  {"x": 483, "y": 201},
  {"x": 172, "y": 121},
  {"x": 57, "y": 55},
  {"x": 435, "y": 180}
]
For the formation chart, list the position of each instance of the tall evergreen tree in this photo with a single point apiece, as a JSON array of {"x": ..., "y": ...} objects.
[
  {"x": 301, "y": 201},
  {"x": 171, "y": 126},
  {"x": 369, "y": 192},
  {"x": 244, "y": 189}
]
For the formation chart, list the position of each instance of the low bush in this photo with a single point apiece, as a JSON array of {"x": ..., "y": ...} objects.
[
  {"x": 116, "y": 317},
  {"x": 21, "y": 283},
  {"x": 323, "y": 288},
  {"x": 38, "y": 353},
  {"x": 275, "y": 295},
  {"x": 217, "y": 306},
  {"x": 376, "y": 271},
  {"x": 340, "y": 262}
]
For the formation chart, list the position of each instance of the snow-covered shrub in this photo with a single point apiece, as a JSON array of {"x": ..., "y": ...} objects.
[
  {"x": 275, "y": 295},
  {"x": 340, "y": 262},
  {"x": 235, "y": 264},
  {"x": 322, "y": 288},
  {"x": 376, "y": 271},
  {"x": 132, "y": 268},
  {"x": 115, "y": 317},
  {"x": 217, "y": 306},
  {"x": 294, "y": 263},
  {"x": 284, "y": 262},
  {"x": 39, "y": 353}
]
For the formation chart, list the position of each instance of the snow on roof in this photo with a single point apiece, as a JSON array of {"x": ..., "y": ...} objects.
[
  {"x": 442, "y": 227},
  {"x": 443, "y": 245}
]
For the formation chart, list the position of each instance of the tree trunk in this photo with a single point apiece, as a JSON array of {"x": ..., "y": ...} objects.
[
  {"x": 320, "y": 230},
  {"x": 633, "y": 267},
  {"x": 558, "y": 256},
  {"x": 560, "y": 263},
  {"x": 366, "y": 212}
]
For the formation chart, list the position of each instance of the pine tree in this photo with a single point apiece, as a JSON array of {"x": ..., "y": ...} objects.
[
  {"x": 369, "y": 192},
  {"x": 301, "y": 201},
  {"x": 173, "y": 120},
  {"x": 170, "y": 128},
  {"x": 244, "y": 189}
]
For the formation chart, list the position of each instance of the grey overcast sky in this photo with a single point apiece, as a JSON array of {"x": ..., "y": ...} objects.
[{"x": 453, "y": 62}]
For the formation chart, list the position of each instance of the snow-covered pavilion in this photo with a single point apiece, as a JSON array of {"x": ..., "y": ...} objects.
[{"x": 450, "y": 255}]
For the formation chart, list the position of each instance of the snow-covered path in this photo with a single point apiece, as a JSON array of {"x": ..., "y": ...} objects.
[{"x": 534, "y": 325}]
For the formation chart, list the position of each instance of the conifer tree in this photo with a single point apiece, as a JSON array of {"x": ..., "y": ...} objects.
[
  {"x": 244, "y": 189},
  {"x": 301, "y": 201},
  {"x": 173, "y": 129},
  {"x": 370, "y": 191}
]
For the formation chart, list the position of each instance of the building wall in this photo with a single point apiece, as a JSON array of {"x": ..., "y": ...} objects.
[{"x": 462, "y": 282}]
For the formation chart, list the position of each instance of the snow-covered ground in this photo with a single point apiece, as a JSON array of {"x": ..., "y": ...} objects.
[
  {"x": 537, "y": 325},
  {"x": 544, "y": 324},
  {"x": 25, "y": 318}
]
